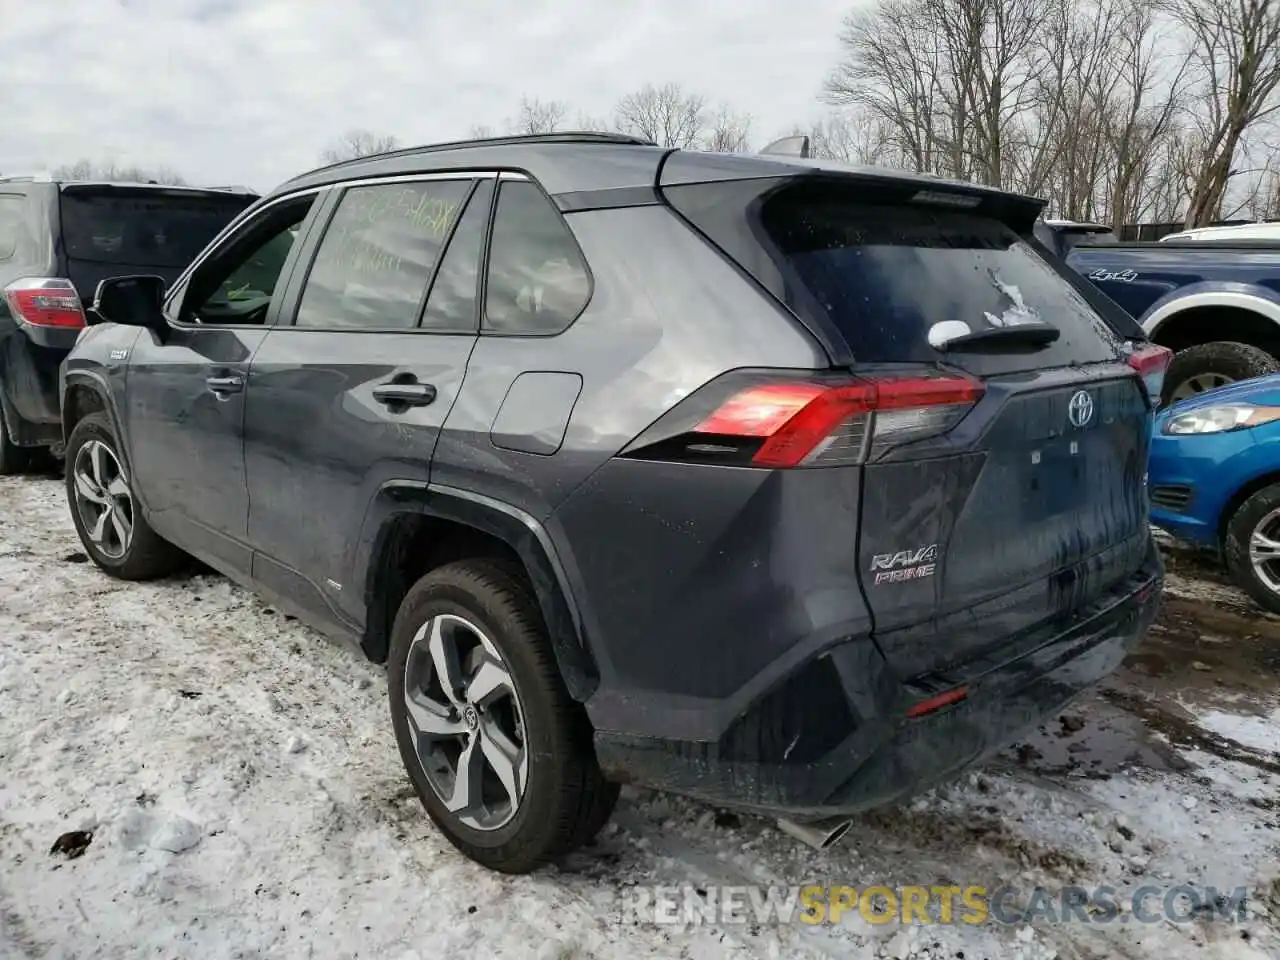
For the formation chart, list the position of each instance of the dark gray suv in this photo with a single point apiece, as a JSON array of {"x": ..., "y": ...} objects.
[{"x": 792, "y": 486}]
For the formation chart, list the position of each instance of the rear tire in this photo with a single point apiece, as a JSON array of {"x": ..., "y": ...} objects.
[
  {"x": 1254, "y": 525},
  {"x": 493, "y": 621},
  {"x": 13, "y": 458},
  {"x": 1211, "y": 365},
  {"x": 142, "y": 554}
]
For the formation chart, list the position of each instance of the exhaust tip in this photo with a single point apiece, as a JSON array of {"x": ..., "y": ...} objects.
[{"x": 818, "y": 834}]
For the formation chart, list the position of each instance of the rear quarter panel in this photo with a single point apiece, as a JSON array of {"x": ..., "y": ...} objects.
[{"x": 666, "y": 315}]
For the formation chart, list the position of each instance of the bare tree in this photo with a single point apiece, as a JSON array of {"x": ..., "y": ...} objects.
[
  {"x": 1147, "y": 106},
  {"x": 667, "y": 115},
  {"x": 357, "y": 143},
  {"x": 730, "y": 131},
  {"x": 1263, "y": 202},
  {"x": 891, "y": 70},
  {"x": 1075, "y": 74},
  {"x": 481, "y": 131},
  {"x": 949, "y": 77},
  {"x": 592, "y": 124},
  {"x": 1082, "y": 102},
  {"x": 1235, "y": 47},
  {"x": 851, "y": 136},
  {"x": 538, "y": 116},
  {"x": 111, "y": 171}
]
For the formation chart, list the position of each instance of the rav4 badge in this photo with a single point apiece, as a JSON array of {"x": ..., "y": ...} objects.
[{"x": 905, "y": 564}]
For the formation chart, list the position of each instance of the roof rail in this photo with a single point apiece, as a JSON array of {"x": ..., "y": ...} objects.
[{"x": 569, "y": 136}]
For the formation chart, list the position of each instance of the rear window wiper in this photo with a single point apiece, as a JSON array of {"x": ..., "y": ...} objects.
[{"x": 1021, "y": 335}]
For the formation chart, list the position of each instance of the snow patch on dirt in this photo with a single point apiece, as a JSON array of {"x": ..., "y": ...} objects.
[{"x": 1257, "y": 732}]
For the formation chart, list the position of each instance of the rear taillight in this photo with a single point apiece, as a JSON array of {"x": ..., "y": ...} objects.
[
  {"x": 1151, "y": 362},
  {"x": 766, "y": 421},
  {"x": 45, "y": 302}
]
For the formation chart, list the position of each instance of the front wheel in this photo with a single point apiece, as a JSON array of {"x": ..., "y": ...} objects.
[
  {"x": 1212, "y": 365},
  {"x": 1253, "y": 547},
  {"x": 499, "y": 754},
  {"x": 104, "y": 510}
]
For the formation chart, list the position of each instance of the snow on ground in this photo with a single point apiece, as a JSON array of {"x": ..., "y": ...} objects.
[
  {"x": 1257, "y": 732},
  {"x": 245, "y": 798}
]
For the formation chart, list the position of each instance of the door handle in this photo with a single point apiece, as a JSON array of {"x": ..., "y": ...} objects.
[
  {"x": 225, "y": 384},
  {"x": 406, "y": 394}
]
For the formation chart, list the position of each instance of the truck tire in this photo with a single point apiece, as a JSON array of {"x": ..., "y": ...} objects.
[{"x": 1211, "y": 365}]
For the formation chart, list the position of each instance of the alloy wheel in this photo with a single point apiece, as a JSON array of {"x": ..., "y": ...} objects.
[
  {"x": 466, "y": 722},
  {"x": 103, "y": 499},
  {"x": 1264, "y": 551}
]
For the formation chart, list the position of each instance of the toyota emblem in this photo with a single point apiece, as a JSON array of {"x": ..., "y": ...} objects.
[{"x": 1080, "y": 409}]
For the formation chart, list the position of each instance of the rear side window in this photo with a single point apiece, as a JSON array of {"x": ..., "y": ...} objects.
[
  {"x": 143, "y": 228},
  {"x": 538, "y": 282},
  {"x": 11, "y": 211},
  {"x": 378, "y": 253},
  {"x": 451, "y": 305},
  {"x": 886, "y": 274}
]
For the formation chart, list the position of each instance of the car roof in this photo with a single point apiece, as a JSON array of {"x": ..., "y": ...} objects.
[
  {"x": 562, "y": 162},
  {"x": 586, "y": 162}
]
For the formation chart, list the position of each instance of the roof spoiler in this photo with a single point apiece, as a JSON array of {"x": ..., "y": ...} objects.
[{"x": 794, "y": 146}]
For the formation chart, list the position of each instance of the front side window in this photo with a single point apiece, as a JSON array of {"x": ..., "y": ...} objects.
[
  {"x": 238, "y": 282},
  {"x": 538, "y": 282},
  {"x": 378, "y": 254}
]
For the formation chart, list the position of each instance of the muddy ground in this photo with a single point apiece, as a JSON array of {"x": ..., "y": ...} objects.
[{"x": 1211, "y": 645}]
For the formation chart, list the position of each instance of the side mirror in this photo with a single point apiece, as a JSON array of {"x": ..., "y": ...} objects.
[{"x": 133, "y": 301}]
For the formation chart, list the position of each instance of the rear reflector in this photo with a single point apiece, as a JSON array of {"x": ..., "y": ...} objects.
[
  {"x": 45, "y": 302},
  {"x": 1151, "y": 362},
  {"x": 803, "y": 423},
  {"x": 935, "y": 703}
]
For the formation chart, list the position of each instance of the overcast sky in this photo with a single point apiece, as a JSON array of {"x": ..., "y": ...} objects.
[{"x": 250, "y": 91}]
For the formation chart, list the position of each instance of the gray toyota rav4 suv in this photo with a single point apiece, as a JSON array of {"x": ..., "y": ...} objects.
[{"x": 792, "y": 486}]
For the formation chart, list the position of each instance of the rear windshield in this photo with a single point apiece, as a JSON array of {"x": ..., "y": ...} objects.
[
  {"x": 143, "y": 228},
  {"x": 886, "y": 274}
]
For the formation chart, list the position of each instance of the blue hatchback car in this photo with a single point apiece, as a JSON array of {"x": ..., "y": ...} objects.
[{"x": 1214, "y": 479}]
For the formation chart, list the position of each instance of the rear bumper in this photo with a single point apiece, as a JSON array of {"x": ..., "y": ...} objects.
[{"x": 835, "y": 738}]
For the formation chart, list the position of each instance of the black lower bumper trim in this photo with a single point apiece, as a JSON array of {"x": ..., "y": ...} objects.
[{"x": 887, "y": 757}]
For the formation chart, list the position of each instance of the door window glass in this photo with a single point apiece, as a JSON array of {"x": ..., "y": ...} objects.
[{"x": 378, "y": 253}]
